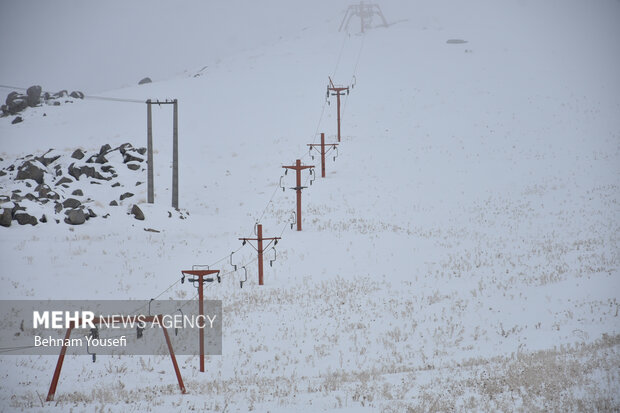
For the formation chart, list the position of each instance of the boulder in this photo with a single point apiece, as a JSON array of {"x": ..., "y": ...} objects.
[
  {"x": 108, "y": 168},
  {"x": 60, "y": 94},
  {"x": 113, "y": 203},
  {"x": 133, "y": 166},
  {"x": 128, "y": 157},
  {"x": 43, "y": 219},
  {"x": 77, "y": 94},
  {"x": 91, "y": 213},
  {"x": 34, "y": 95},
  {"x": 105, "y": 149},
  {"x": 6, "y": 217},
  {"x": 57, "y": 207},
  {"x": 77, "y": 154},
  {"x": 16, "y": 102},
  {"x": 126, "y": 195},
  {"x": 115, "y": 184},
  {"x": 137, "y": 213},
  {"x": 145, "y": 81},
  {"x": 18, "y": 119},
  {"x": 77, "y": 192},
  {"x": 71, "y": 203},
  {"x": 23, "y": 218},
  {"x": 63, "y": 180},
  {"x": 46, "y": 160},
  {"x": 30, "y": 170},
  {"x": 124, "y": 147},
  {"x": 75, "y": 217},
  {"x": 141, "y": 151},
  {"x": 89, "y": 171}
]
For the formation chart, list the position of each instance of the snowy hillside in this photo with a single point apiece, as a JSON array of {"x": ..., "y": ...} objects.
[{"x": 461, "y": 254}]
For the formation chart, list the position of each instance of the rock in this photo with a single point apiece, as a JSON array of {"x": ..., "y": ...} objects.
[
  {"x": 97, "y": 159},
  {"x": 6, "y": 217},
  {"x": 89, "y": 171},
  {"x": 137, "y": 213},
  {"x": 17, "y": 119},
  {"x": 115, "y": 184},
  {"x": 145, "y": 81},
  {"x": 75, "y": 217},
  {"x": 47, "y": 160},
  {"x": 34, "y": 95},
  {"x": 141, "y": 151},
  {"x": 105, "y": 149},
  {"x": 77, "y": 154},
  {"x": 113, "y": 203},
  {"x": 16, "y": 209},
  {"x": 16, "y": 102},
  {"x": 130, "y": 158},
  {"x": 30, "y": 170},
  {"x": 71, "y": 203},
  {"x": 77, "y": 94},
  {"x": 91, "y": 213},
  {"x": 77, "y": 192},
  {"x": 63, "y": 180},
  {"x": 2, "y": 173},
  {"x": 60, "y": 94},
  {"x": 124, "y": 147},
  {"x": 133, "y": 166},
  {"x": 126, "y": 195},
  {"x": 43, "y": 219},
  {"x": 57, "y": 207},
  {"x": 138, "y": 183},
  {"x": 108, "y": 168},
  {"x": 23, "y": 218}
]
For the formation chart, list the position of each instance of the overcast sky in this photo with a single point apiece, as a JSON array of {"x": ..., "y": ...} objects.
[{"x": 96, "y": 46}]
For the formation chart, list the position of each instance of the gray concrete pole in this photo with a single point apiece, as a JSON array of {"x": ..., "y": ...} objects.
[
  {"x": 175, "y": 157},
  {"x": 149, "y": 156}
]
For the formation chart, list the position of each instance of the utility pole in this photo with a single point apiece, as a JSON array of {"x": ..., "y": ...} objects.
[
  {"x": 201, "y": 280},
  {"x": 298, "y": 167},
  {"x": 323, "y": 152},
  {"x": 259, "y": 238},
  {"x": 175, "y": 151},
  {"x": 149, "y": 151},
  {"x": 365, "y": 13},
  {"x": 337, "y": 91},
  {"x": 175, "y": 155}
]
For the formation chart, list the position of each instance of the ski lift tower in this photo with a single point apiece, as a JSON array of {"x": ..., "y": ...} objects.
[{"x": 365, "y": 11}]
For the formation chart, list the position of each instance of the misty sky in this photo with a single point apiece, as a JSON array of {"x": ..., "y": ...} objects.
[{"x": 96, "y": 46}]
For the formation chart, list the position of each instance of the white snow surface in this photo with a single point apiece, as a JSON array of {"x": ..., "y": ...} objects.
[{"x": 462, "y": 252}]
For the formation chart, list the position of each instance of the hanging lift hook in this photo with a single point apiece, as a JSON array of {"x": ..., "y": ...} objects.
[
  {"x": 282, "y": 186},
  {"x": 275, "y": 255},
  {"x": 313, "y": 176},
  {"x": 336, "y": 152},
  {"x": 294, "y": 216},
  {"x": 231, "y": 262},
  {"x": 245, "y": 273},
  {"x": 176, "y": 329},
  {"x": 150, "y": 301},
  {"x": 94, "y": 333}
]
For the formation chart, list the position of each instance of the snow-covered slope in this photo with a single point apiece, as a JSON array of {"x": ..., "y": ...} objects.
[{"x": 462, "y": 251}]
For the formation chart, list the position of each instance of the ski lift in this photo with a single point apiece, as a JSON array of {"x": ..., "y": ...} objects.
[
  {"x": 354, "y": 82},
  {"x": 231, "y": 263},
  {"x": 275, "y": 256},
  {"x": 151, "y": 300},
  {"x": 255, "y": 230},
  {"x": 336, "y": 152},
  {"x": 313, "y": 176},
  {"x": 294, "y": 216},
  {"x": 94, "y": 333},
  {"x": 182, "y": 277},
  {"x": 282, "y": 186},
  {"x": 245, "y": 273},
  {"x": 243, "y": 243}
]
